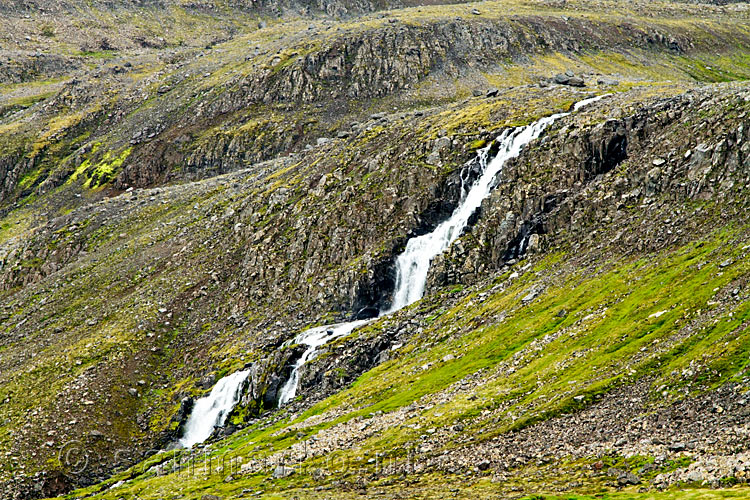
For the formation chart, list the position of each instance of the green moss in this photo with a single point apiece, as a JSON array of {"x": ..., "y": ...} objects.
[
  {"x": 478, "y": 144},
  {"x": 105, "y": 170}
]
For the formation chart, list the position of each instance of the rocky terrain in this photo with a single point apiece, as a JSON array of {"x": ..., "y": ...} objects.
[{"x": 186, "y": 186}]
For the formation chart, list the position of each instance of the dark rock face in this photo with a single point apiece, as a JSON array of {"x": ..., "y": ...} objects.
[
  {"x": 519, "y": 208},
  {"x": 370, "y": 64},
  {"x": 375, "y": 63},
  {"x": 367, "y": 313}
]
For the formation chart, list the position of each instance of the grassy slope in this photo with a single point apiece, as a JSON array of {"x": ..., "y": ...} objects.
[
  {"x": 480, "y": 347},
  {"x": 230, "y": 61},
  {"x": 609, "y": 322}
]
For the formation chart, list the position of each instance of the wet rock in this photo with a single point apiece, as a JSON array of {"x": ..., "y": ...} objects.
[{"x": 367, "y": 313}]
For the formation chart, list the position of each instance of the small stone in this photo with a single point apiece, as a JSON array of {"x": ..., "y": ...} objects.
[
  {"x": 493, "y": 92},
  {"x": 531, "y": 295},
  {"x": 282, "y": 471},
  {"x": 475, "y": 12},
  {"x": 576, "y": 81},
  {"x": 483, "y": 465},
  {"x": 658, "y": 162},
  {"x": 695, "y": 476},
  {"x": 628, "y": 478},
  {"x": 533, "y": 244},
  {"x": 603, "y": 80}
]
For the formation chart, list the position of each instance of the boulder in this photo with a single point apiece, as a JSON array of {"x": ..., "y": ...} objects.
[
  {"x": 576, "y": 81},
  {"x": 282, "y": 471},
  {"x": 603, "y": 80}
]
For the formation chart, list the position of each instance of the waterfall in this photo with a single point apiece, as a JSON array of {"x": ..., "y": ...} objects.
[
  {"x": 313, "y": 339},
  {"x": 211, "y": 411},
  {"x": 413, "y": 264}
]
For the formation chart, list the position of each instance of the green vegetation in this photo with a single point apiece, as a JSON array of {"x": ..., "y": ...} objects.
[
  {"x": 611, "y": 314},
  {"x": 121, "y": 302}
]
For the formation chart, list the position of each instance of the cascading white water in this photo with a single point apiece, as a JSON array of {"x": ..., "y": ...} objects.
[
  {"x": 313, "y": 339},
  {"x": 413, "y": 264},
  {"x": 211, "y": 411}
]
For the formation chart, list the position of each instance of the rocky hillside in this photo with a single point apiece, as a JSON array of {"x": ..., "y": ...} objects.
[{"x": 182, "y": 196}]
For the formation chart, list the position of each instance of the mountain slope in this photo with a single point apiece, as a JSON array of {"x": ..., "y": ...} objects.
[
  {"x": 540, "y": 378},
  {"x": 172, "y": 213}
]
